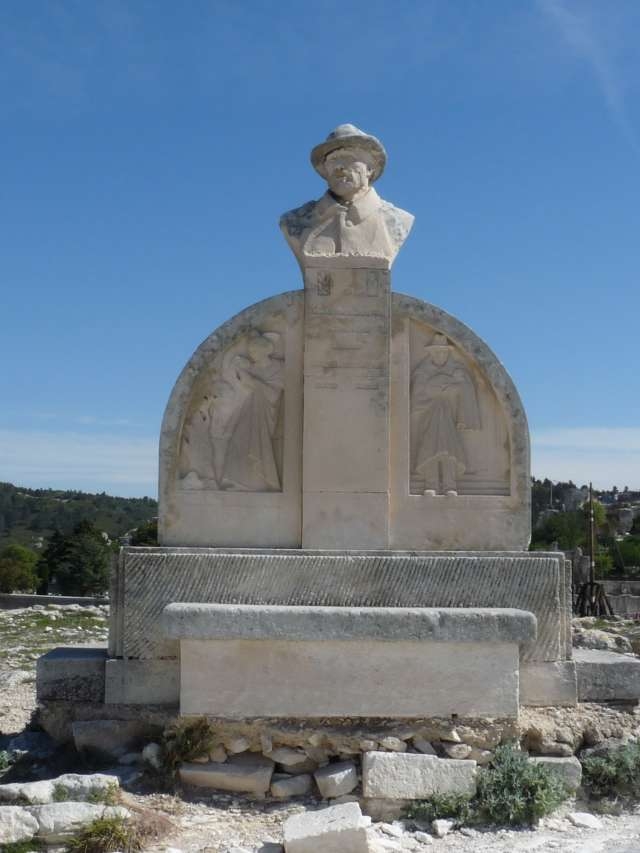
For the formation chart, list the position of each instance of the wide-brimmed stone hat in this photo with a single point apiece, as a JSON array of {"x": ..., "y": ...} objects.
[{"x": 349, "y": 136}]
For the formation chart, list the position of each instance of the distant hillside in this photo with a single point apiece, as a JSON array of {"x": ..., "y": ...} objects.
[{"x": 29, "y": 515}]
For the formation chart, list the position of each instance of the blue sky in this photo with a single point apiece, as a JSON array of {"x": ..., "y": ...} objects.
[{"x": 149, "y": 147}]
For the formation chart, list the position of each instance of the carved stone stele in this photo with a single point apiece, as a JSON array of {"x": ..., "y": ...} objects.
[{"x": 232, "y": 454}]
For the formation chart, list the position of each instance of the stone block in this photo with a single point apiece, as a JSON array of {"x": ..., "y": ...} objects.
[
  {"x": 244, "y": 777},
  {"x": 292, "y": 786},
  {"x": 148, "y": 579},
  {"x": 337, "y": 829},
  {"x": 548, "y": 683},
  {"x": 16, "y": 824},
  {"x": 77, "y": 786},
  {"x": 410, "y": 776},
  {"x": 111, "y": 738},
  {"x": 607, "y": 676},
  {"x": 71, "y": 673},
  {"x": 142, "y": 682},
  {"x": 57, "y": 822},
  {"x": 336, "y": 780},
  {"x": 567, "y": 769},
  {"x": 341, "y": 678}
]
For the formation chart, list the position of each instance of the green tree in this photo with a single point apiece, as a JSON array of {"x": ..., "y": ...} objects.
[
  {"x": 146, "y": 534},
  {"x": 80, "y": 562},
  {"x": 18, "y": 569}
]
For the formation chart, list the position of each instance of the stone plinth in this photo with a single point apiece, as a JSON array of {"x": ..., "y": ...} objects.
[{"x": 347, "y": 662}]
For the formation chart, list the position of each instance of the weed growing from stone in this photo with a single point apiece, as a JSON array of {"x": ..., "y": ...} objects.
[
  {"x": 4, "y": 759},
  {"x": 60, "y": 793},
  {"x": 187, "y": 740},
  {"x": 22, "y": 846},
  {"x": 615, "y": 774},
  {"x": 109, "y": 796},
  {"x": 106, "y": 835},
  {"x": 512, "y": 791}
]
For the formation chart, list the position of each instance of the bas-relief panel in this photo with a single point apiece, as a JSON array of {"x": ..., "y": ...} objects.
[
  {"x": 459, "y": 443},
  {"x": 232, "y": 438}
]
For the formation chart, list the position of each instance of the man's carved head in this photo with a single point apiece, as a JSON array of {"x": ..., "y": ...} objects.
[
  {"x": 348, "y": 172},
  {"x": 349, "y": 156}
]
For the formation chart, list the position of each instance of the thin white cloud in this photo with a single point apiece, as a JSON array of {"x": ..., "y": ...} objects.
[
  {"x": 605, "y": 455},
  {"x": 91, "y": 462},
  {"x": 577, "y": 25}
]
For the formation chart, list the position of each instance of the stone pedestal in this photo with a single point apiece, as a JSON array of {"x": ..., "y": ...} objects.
[{"x": 345, "y": 469}]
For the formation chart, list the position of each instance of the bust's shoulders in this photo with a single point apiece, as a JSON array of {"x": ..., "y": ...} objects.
[
  {"x": 295, "y": 221},
  {"x": 398, "y": 221}
]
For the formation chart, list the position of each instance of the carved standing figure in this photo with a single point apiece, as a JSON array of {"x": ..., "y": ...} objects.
[
  {"x": 350, "y": 218},
  {"x": 250, "y": 462},
  {"x": 443, "y": 403}
]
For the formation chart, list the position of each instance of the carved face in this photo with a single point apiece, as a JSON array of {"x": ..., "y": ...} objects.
[
  {"x": 439, "y": 355},
  {"x": 348, "y": 172},
  {"x": 260, "y": 348}
]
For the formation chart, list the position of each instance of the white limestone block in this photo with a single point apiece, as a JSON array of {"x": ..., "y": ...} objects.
[
  {"x": 567, "y": 768},
  {"x": 77, "y": 786},
  {"x": 59, "y": 821},
  {"x": 292, "y": 786},
  {"x": 246, "y": 777},
  {"x": 16, "y": 824},
  {"x": 409, "y": 776},
  {"x": 585, "y": 820},
  {"x": 336, "y": 780},
  {"x": 337, "y": 829}
]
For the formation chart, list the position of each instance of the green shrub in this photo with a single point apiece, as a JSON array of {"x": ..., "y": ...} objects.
[
  {"x": 4, "y": 759},
  {"x": 514, "y": 791},
  {"x": 22, "y": 846},
  {"x": 614, "y": 774},
  {"x": 105, "y": 835},
  {"x": 187, "y": 740},
  {"x": 453, "y": 806}
]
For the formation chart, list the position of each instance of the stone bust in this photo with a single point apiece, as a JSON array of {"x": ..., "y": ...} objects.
[{"x": 350, "y": 219}]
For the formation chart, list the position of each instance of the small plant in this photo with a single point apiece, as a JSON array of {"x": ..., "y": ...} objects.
[
  {"x": 22, "y": 846},
  {"x": 514, "y": 791},
  {"x": 615, "y": 774},
  {"x": 105, "y": 835},
  {"x": 4, "y": 759},
  {"x": 453, "y": 806},
  {"x": 108, "y": 796},
  {"x": 187, "y": 740},
  {"x": 60, "y": 793}
]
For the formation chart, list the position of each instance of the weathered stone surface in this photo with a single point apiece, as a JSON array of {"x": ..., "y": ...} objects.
[
  {"x": 337, "y": 829},
  {"x": 109, "y": 737},
  {"x": 423, "y": 746},
  {"x": 548, "y": 683},
  {"x": 152, "y": 578},
  {"x": 76, "y": 786},
  {"x": 246, "y": 777},
  {"x": 585, "y": 820},
  {"x": 387, "y": 775},
  {"x": 607, "y": 676},
  {"x": 292, "y": 786},
  {"x": 60, "y": 821},
  {"x": 266, "y": 622},
  {"x": 442, "y": 827},
  {"x": 336, "y": 780},
  {"x": 16, "y": 824},
  {"x": 71, "y": 673},
  {"x": 567, "y": 769},
  {"x": 141, "y": 682},
  {"x": 153, "y": 754},
  {"x": 340, "y": 678}
]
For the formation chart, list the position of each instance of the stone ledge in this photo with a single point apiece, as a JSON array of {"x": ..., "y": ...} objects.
[
  {"x": 607, "y": 676},
  {"x": 71, "y": 672},
  {"x": 273, "y": 622}
]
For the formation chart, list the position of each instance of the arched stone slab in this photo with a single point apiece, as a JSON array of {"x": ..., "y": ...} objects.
[{"x": 231, "y": 446}]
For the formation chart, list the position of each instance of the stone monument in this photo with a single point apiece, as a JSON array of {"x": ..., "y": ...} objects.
[{"x": 344, "y": 502}]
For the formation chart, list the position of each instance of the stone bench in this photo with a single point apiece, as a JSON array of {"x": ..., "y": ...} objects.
[{"x": 249, "y": 661}]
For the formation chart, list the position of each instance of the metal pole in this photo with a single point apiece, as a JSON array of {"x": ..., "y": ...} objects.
[{"x": 592, "y": 541}]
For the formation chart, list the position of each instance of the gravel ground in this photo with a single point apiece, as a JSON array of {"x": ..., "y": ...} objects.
[{"x": 215, "y": 823}]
